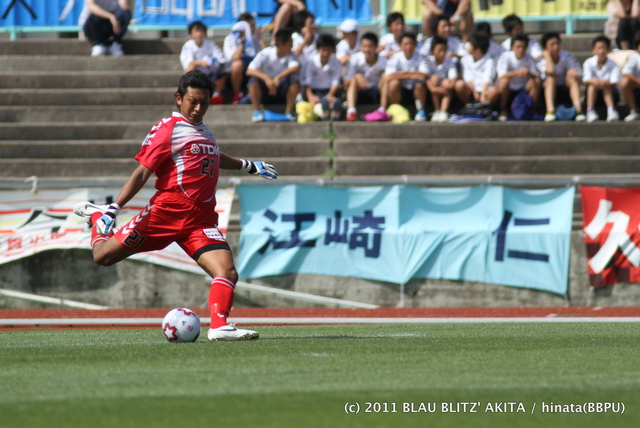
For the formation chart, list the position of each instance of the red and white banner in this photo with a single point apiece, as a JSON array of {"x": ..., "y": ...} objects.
[
  {"x": 611, "y": 221},
  {"x": 31, "y": 223}
]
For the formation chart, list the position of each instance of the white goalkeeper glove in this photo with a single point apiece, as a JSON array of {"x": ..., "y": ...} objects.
[
  {"x": 105, "y": 224},
  {"x": 260, "y": 168}
]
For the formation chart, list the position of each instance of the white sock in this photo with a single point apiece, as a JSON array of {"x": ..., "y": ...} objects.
[
  {"x": 351, "y": 110},
  {"x": 610, "y": 109},
  {"x": 418, "y": 105}
]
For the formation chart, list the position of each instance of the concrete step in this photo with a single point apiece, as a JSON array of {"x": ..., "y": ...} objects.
[
  {"x": 87, "y": 79},
  {"x": 470, "y": 145},
  {"x": 420, "y": 165},
  {"x": 74, "y": 64},
  {"x": 80, "y": 169},
  {"x": 88, "y": 97},
  {"x": 83, "y": 48},
  {"x": 500, "y": 131},
  {"x": 125, "y": 149}
]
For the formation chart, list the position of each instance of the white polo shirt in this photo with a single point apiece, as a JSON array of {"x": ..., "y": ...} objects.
[
  {"x": 447, "y": 70},
  {"x": 231, "y": 43},
  {"x": 358, "y": 65},
  {"x": 494, "y": 52},
  {"x": 508, "y": 62},
  {"x": 389, "y": 43},
  {"x": 268, "y": 62},
  {"x": 533, "y": 48},
  {"x": 566, "y": 62},
  {"x": 318, "y": 76},
  {"x": 399, "y": 62},
  {"x": 632, "y": 66},
  {"x": 478, "y": 72},
  {"x": 610, "y": 71},
  {"x": 209, "y": 49},
  {"x": 343, "y": 48}
]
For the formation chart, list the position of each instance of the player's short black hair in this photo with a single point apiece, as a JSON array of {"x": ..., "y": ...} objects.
[
  {"x": 483, "y": 27},
  {"x": 438, "y": 40},
  {"x": 370, "y": 36},
  {"x": 299, "y": 19},
  {"x": 520, "y": 38},
  {"x": 509, "y": 22},
  {"x": 326, "y": 41},
  {"x": 194, "y": 79},
  {"x": 410, "y": 35},
  {"x": 198, "y": 25},
  {"x": 283, "y": 35},
  {"x": 435, "y": 20},
  {"x": 246, "y": 16},
  {"x": 479, "y": 41},
  {"x": 601, "y": 38},
  {"x": 548, "y": 36},
  {"x": 393, "y": 17}
]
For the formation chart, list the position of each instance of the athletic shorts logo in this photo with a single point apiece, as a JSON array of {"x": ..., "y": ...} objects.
[{"x": 214, "y": 233}]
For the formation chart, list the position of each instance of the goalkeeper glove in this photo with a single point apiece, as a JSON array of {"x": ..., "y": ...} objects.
[
  {"x": 260, "y": 168},
  {"x": 105, "y": 224}
]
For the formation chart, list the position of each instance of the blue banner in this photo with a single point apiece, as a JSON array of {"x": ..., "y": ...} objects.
[
  {"x": 225, "y": 13},
  {"x": 27, "y": 13},
  {"x": 486, "y": 234}
]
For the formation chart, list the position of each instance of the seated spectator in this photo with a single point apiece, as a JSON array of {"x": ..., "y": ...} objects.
[
  {"x": 458, "y": 13},
  {"x": 478, "y": 73},
  {"x": 406, "y": 78},
  {"x": 443, "y": 73},
  {"x": 203, "y": 54},
  {"x": 495, "y": 48},
  {"x": 240, "y": 47},
  {"x": 106, "y": 25},
  {"x": 627, "y": 13},
  {"x": 284, "y": 10},
  {"x": 305, "y": 36},
  {"x": 517, "y": 72},
  {"x": 274, "y": 76},
  {"x": 349, "y": 44},
  {"x": 322, "y": 79},
  {"x": 601, "y": 76},
  {"x": 630, "y": 84},
  {"x": 561, "y": 75},
  {"x": 440, "y": 26},
  {"x": 513, "y": 25},
  {"x": 364, "y": 78},
  {"x": 389, "y": 44}
]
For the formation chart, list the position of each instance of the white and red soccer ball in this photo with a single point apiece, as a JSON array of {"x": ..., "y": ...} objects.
[{"x": 181, "y": 325}]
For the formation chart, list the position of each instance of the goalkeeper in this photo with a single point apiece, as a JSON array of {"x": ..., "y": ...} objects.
[{"x": 183, "y": 154}]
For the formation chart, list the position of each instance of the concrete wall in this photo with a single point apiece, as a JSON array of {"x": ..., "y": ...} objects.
[{"x": 71, "y": 274}]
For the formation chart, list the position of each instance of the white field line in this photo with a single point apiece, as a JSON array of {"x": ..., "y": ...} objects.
[
  {"x": 50, "y": 300},
  {"x": 303, "y": 320}
]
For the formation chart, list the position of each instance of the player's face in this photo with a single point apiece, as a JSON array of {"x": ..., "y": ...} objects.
[
  {"x": 194, "y": 104},
  {"x": 553, "y": 46},
  {"x": 198, "y": 36},
  {"x": 439, "y": 52},
  {"x": 397, "y": 28},
  {"x": 408, "y": 46},
  {"x": 519, "y": 48},
  {"x": 600, "y": 50},
  {"x": 325, "y": 53},
  {"x": 517, "y": 29},
  {"x": 444, "y": 29},
  {"x": 368, "y": 47}
]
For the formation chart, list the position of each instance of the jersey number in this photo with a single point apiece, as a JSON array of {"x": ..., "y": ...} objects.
[
  {"x": 134, "y": 240},
  {"x": 207, "y": 167}
]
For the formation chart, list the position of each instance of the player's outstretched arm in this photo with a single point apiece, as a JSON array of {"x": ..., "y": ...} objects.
[{"x": 260, "y": 168}]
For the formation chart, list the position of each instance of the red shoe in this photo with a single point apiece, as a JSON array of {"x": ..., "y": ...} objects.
[
  {"x": 351, "y": 117},
  {"x": 217, "y": 99},
  {"x": 236, "y": 98}
]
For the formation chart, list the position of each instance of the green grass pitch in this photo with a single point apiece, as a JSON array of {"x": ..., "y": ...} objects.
[{"x": 312, "y": 376}]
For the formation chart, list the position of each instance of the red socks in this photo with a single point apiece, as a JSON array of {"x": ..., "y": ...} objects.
[
  {"x": 220, "y": 300},
  {"x": 95, "y": 236}
]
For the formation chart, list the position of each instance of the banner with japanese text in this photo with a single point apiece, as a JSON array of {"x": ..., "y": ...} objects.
[
  {"x": 611, "y": 219},
  {"x": 27, "y": 13},
  {"x": 32, "y": 223},
  {"x": 486, "y": 234},
  {"x": 226, "y": 12}
]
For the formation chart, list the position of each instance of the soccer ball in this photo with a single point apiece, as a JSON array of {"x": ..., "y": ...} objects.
[{"x": 181, "y": 325}]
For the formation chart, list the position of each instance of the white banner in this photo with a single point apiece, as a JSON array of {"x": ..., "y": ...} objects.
[{"x": 32, "y": 223}]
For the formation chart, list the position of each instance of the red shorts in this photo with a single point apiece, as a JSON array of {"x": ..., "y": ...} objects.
[{"x": 170, "y": 217}]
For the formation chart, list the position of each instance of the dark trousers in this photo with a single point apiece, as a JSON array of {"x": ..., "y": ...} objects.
[{"x": 100, "y": 31}]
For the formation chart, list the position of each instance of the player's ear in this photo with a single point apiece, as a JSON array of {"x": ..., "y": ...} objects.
[{"x": 178, "y": 99}]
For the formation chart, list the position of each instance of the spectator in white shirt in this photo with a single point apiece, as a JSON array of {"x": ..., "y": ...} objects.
[
  {"x": 443, "y": 73},
  {"x": 495, "y": 48},
  {"x": 389, "y": 44},
  {"x": 240, "y": 47},
  {"x": 630, "y": 83},
  {"x": 404, "y": 79},
  {"x": 203, "y": 54},
  {"x": 349, "y": 44},
  {"x": 601, "y": 76},
  {"x": 561, "y": 75},
  {"x": 321, "y": 81},
  {"x": 274, "y": 76},
  {"x": 513, "y": 25},
  {"x": 517, "y": 71},
  {"x": 440, "y": 26},
  {"x": 478, "y": 73},
  {"x": 305, "y": 36},
  {"x": 364, "y": 78}
]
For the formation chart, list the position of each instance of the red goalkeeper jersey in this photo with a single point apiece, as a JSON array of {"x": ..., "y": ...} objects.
[{"x": 184, "y": 157}]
